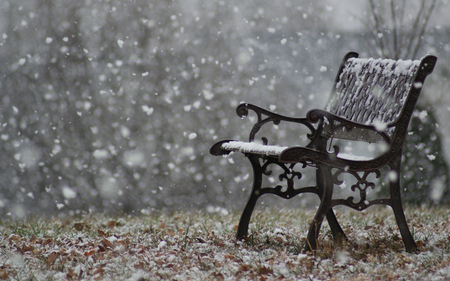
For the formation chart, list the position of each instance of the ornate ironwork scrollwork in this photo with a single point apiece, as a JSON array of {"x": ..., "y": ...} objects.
[
  {"x": 289, "y": 175},
  {"x": 264, "y": 116},
  {"x": 362, "y": 185}
]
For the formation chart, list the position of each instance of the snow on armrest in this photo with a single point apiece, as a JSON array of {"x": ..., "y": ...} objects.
[
  {"x": 352, "y": 157},
  {"x": 275, "y": 150},
  {"x": 251, "y": 147}
]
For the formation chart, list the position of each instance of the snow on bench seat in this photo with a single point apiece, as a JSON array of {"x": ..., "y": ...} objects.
[
  {"x": 275, "y": 150},
  {"x": 253, "y": 147}
]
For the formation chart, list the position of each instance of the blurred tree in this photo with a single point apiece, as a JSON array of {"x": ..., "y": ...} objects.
[{"x": 396, "y": 31}]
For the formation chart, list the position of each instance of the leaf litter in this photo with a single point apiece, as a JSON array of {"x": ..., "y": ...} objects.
[{"x": 202, "y": 246}]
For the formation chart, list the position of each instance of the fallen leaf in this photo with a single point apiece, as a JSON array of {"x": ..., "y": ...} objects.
[
  {"x": 99, "y": 271},
  {"x": 279, "y": 239},
  {"x": 139, "y": 265},
  {"x": 89, "y": 253},
  {"x": 70, "y": 274},
  {"x": 48, "y": 241},
  {"x": 3, "y": 274},
  {"x": 201, "y": 240},
  {"x": 107, "y": 243},
  {"x": 52, "y": 257},
  {"x": 111, "y": 224},
  {"x": 227, "y": 256},
  {"x": 244, "y": 267},
  {"x": 101, "y": 233},
  {"x": 79, "y": 226},
  {"x": 217, "y": 276},
  {"x": 264, "y": 270},
  {"x": 26, "y": 248}
]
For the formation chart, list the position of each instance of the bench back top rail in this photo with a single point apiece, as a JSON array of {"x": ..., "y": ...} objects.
[{"x": 376, "y": 92}]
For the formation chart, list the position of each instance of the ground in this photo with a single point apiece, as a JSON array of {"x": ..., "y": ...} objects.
[{"x": 201, "y": 245}]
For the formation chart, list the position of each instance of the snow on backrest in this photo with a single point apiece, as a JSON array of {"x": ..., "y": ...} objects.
[{"x": 371, "y": 90}]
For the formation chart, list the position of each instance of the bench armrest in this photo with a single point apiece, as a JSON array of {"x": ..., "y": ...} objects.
[
  {"x": 266, "y": 116},
  {"x": 338, "y": 123}
]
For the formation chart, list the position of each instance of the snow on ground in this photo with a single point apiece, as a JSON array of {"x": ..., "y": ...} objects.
[{"x": 202, "y": 246}]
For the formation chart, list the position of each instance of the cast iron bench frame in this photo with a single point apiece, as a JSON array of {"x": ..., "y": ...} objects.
[{"x": 371, "y": 101}]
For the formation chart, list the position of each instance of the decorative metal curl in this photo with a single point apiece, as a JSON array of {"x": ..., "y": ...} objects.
[
  {"x": 362, "y": 185},
  {"x": 243, "y": 110},
  {"x": 290, "y": 176}
]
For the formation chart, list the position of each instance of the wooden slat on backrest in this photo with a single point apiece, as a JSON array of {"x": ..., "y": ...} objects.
[{"x": 372, "y": 89}]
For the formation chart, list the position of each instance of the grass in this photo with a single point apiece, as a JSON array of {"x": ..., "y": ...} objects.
[{"x": 202, "y": 246}]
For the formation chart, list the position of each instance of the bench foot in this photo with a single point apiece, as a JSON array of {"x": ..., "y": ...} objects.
[
  {"x": 325, "y": 186},
  {"x": 397, "y": 207},
  {"x": 408, "y": 240},
  {"x": 336, "y": 230}
]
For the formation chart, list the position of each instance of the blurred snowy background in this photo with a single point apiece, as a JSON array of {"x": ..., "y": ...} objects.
[{"x": 112, "y": 105}]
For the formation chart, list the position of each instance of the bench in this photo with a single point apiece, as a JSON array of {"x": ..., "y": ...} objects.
[{"x": 372, "y": 101}]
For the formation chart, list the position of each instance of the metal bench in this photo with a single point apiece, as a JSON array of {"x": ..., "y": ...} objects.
[{"x": 372, "y": 101}]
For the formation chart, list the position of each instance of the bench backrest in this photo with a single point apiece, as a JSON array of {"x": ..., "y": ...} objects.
[{"x": 370, "y": 91}]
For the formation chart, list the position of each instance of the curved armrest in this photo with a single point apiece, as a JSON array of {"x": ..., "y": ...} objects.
[
  {"x": 315, "y": 115},
  {"x": 265, "y": 116}
]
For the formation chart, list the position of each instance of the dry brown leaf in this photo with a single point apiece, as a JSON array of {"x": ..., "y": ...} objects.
[
  {"x": 51, "y": 258},
  {"x": 244, "y": 267},
  {"x": 220, "y": 244},
  {"x": 3, "y": 274},
  {"x": 26, "y": 248},
  {"x": 419, "y": 244},
  {"x": 48, "y": 241},
  {"x": 279, "y": 239},
  {"x": 89, "y": 253},
  {"x": 13, "y": 238},
  {"x": 139, "y": 265},
  {"x": 201, "y": 240},
  {"x": 264, "y": 270},
  {"x": 111, "y": 224},
  {"x": 70, "y": 274},
  {"x": 79, "y": 225},
  {"x": 217, "y": 276},
  {"x": 107, "y": 243},
  {"x": 101, "y": 233},
  {"x": 227, "y": 256},
  {"x": 99, "y": 271}
]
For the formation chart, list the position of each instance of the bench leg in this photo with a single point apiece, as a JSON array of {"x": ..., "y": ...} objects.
[
  {"x": 396, "y": 204},
  {"x": 256, "y": 192},
  {"x": 325, "y": 186},
  {"x": 336, "y": 230},
  {"x": 408, "y": 240},
  {"x": 397, "y": 207}
]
